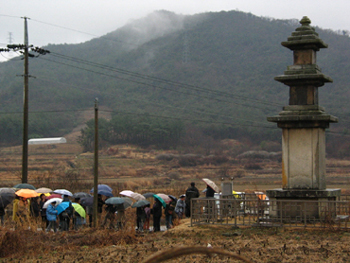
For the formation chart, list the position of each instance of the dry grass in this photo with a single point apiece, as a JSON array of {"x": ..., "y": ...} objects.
[{"x": 180, "y": 244}]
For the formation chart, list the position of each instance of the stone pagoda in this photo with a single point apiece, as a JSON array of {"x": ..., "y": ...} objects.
[{"x": 303, "y": 123}]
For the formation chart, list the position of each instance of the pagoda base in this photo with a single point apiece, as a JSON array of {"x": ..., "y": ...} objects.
[{"x": 291, "y": 204}]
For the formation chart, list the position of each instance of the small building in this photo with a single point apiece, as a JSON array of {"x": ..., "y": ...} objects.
[{"x": 47, "y": 140}]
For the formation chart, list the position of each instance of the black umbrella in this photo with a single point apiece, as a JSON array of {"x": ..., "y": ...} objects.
[
  {"x": 6, "y": 198},
  {"x": 140, "y": 203},
  {"x": 173, "y": 197},
  {"x": 115, "y": 201},
  {"x": 87, "y": 201},
  {"x": 81, "y": 195},
  {"x": 148, "y": 195},
  {"x": 24, "y": 186}
]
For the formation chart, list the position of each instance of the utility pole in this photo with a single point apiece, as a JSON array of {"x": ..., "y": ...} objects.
[
  {"x": 95, "y": 165},
  {"x": 25, "y": 107},
  {"x": 24, "y": 49}
]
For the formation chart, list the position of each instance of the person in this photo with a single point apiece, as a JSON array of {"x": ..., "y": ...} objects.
[
  {"x": 148, "y": 216},
  {"x": 139, "y": 214},
  {"x": 78, "y": 220},
  {"x": 34, "y": 207},
  {"x": 120, "y": 216},
  {"x": 210, "y": 192},
  {"x": 110, "y": 215},
  {"x": 191, "y": 192},
  {"x": 100, "y": 204},
  {"x": 2, "y": 215},
  {"x": 20, "y": 211},
  {"x": 180, "y": 206},
  {"x": 142, "y": 217},
  {"x": 44, "y": 222},
  {"x": 157, "y": 214},
  {"x": 169, "y": 210},
  {"x": 66, "y": 215},
  {"x": 51, "y": 215}
]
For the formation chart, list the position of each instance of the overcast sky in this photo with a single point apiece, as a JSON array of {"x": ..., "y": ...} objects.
[{"x": 75, "y": 21}]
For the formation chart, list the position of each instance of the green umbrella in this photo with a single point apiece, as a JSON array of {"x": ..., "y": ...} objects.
[
  {"x": 79, "y": 209},
  {"x": 160, "y": 199}
]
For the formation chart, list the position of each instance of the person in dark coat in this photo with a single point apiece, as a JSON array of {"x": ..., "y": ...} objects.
[
  {"x": 110, "y": 215},
  {"x": 2, "y": 215},
  {"x": 169, "y": 210},
  {"x": 191, "y": 192},
  {"x": 34, "y": 207},
  {"x": 210, "y": 192},
  {"x": 44, "y": 221},
  {"x": 66, "y": 215},
  {"x": 157, "y": 214}
]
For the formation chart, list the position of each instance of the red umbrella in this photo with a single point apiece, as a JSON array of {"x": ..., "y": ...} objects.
[{"x": 53, "y": 196}]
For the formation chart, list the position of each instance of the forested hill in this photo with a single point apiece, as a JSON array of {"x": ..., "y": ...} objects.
[{"x": 211, "y": 69}]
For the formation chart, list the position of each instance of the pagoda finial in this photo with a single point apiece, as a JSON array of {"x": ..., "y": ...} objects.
[{"x": 305, "y": 21}]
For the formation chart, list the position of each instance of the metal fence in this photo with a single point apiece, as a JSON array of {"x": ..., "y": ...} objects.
[{"x": 249, "y": 210}]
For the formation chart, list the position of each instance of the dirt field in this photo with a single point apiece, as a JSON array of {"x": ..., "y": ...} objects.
[
  {"x": 125, "y": 167},
  {"x": 253, "y": 244}
]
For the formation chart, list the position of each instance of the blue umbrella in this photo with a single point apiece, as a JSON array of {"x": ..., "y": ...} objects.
[
  {"x": 160, "y": 199},
  {"x": 61, "y": 207},
  {"x": 103, "y": 187},
  {"x": 105, "y": 193}
]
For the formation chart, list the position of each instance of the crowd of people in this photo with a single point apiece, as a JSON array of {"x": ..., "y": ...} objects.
[{"x": 110, "y": 216}]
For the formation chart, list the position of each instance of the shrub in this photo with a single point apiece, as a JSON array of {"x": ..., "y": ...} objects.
[{"x": 252, "y": 166}]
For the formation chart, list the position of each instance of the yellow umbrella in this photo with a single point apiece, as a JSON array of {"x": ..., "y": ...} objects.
[{"x": 26, "y": 193}]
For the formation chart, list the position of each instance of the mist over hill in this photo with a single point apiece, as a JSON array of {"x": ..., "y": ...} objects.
[{"x": 211, "y": 70}]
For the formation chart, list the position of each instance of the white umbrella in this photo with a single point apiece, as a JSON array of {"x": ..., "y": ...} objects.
[
  {"x": 63, "y": 192},
  {"x": 43, "y": 190},
  {"x": 138, "y": 196},
  {"x": 211, "y": 184},
  {"x": 56, "y": 199},
  {"x": 126, "y": 193}
]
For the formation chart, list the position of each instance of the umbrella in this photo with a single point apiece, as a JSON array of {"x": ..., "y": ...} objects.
[
  {"x": 127, "y": 202},
  {"x": 61, "y": 207},
  {"x": 126, "y": 193},
  {"x": 105, "y": 193},
  {"x": 6, "y": 198},
  {"x": 103, "y": 187},
  {"x": 137, "y": 196},
  {"x": 148, "y": 195},
  {"x": 165, "y": 197},
  {"x": 43, "y": 190},
  {"x": 7, "y": 190},
  {"x": 53, "y": 196},
  {"x": 57, "y": 200},
  {"x": 27, "y": 193},
  {"x": 160, "y": 199},
  {"x": 87, "y": 201},
  {"x": 79, "y": 209},
  {"x": 173, "y": 197},
  {"x": 24, "y": 186},
  {"x": 115, "y": 201},
  {"x": 211, "y": 184},
  {"x": 140, "y": 203},
  {"x": 63, "y": 192},
  {"x": 81, "y": 195}
]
